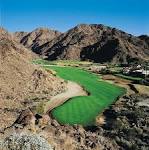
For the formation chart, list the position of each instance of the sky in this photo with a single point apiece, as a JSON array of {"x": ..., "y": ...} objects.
[{"x": 132, "y": 16}]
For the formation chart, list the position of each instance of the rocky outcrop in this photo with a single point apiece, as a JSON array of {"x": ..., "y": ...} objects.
[
  {"x": 26, "y": 118},
  {"x": 127, "y": 122},
  {"x": 125, "y": 127},
  {"x": 62, "y": 137}
]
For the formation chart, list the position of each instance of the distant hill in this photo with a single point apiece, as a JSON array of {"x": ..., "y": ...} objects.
[
  {"x": 36, "y": 38},
  {"x": 95, "y": 42}
]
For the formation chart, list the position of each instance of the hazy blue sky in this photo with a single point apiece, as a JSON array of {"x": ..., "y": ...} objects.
[{"x": 129, "y": 15}]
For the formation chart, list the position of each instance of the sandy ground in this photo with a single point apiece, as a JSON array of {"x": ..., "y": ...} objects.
[
  {"x": 73, "y": 90},
  {"x": 142, "y": 89}
]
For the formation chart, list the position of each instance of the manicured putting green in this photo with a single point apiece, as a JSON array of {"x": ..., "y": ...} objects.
[{"x": 84, "y": 109}]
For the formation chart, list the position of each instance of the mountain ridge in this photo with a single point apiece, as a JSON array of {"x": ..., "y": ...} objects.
[{"x": 97, "y": 43}]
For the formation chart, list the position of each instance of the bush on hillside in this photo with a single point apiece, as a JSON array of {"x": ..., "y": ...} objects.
[{"x": 25, "y": 142}]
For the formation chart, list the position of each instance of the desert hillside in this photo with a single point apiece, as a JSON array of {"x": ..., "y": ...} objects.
[
  {"x": 95, "y": 42},
  {"x": 20, "y": 80}
]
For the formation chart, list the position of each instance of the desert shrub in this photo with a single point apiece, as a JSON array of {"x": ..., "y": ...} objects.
[
  {"x": 25, "y": 142},
  {"x": 40, "y": 108}
]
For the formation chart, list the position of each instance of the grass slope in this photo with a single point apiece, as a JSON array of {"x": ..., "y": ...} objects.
[{"x": 83, "y": 110}]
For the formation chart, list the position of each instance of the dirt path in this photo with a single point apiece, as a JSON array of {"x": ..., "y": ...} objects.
[{"x": 73, "y": 90}]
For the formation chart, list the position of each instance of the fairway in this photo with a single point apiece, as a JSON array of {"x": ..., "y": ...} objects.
[{"x": 84, "y": 109}]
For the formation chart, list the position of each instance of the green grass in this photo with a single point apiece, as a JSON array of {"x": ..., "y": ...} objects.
[
  {"x": 84, "y": 109},
  {"x": 129, "y": 77}
]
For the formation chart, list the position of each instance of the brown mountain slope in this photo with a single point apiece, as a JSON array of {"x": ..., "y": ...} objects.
[
  {"x": 20, "y": 80},
  {"x": 36, "y": 38},
  {"x": 19, "y": 35},
  {"x": 97, "y": 43}
]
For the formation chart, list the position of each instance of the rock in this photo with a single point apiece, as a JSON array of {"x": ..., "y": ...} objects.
[
  {"x": 44, "y": 121},
  {"x": 27, "y": 118},
  {"x": 55, "y": 123}
]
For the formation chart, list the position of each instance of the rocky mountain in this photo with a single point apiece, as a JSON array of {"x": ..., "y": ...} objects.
[
  {"x": 95, "y": 42},
  {"x": 20, "y": 80},
  {"x": 36, "y": 38}
]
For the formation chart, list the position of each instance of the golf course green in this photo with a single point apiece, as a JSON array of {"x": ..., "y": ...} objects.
[{"x": 84, "y": 109}]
